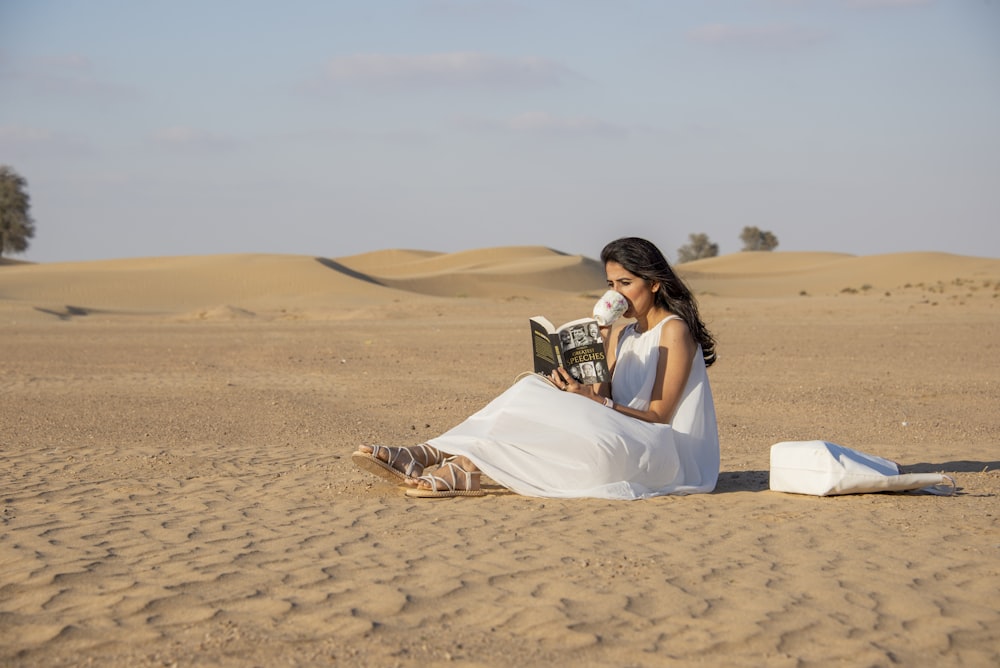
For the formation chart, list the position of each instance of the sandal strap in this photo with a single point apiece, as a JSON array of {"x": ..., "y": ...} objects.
[
  {"x": 449, "y": 485},
  {"x": 393, "y": 454},
  {"x": 429, "y": 454}
]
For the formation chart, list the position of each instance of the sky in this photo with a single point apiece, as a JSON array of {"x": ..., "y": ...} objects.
[{"x": 332, "y": 128}]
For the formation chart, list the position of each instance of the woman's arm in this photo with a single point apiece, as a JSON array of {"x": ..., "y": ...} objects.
[{"x": 673, "y": 366}]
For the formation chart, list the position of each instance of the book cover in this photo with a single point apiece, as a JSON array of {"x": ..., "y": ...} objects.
[{"x": 577, "y": 345}]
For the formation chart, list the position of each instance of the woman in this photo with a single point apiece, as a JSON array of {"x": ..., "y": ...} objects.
[{"x": 650, "y": 431}]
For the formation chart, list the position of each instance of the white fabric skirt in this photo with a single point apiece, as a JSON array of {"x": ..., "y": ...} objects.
[{"x": 540, "y": 441}]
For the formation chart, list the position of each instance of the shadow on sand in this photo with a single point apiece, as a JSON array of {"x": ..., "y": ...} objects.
[
  {"x": 958, "y": 466},
  {"x": 68, "y": 312},
  {"x": 347, "y": 271},
  {"x": 742, "y": 481},
  {"x": 759, "y": 481}
]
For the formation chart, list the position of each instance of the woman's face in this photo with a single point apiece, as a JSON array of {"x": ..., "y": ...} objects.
[{"x": 637, "y": 291}]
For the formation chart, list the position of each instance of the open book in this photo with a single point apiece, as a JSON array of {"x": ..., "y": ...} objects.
[{"x": 577, "y": 346}]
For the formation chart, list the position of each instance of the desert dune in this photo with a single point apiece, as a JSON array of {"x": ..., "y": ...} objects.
[{"x": 175, "y": 439}]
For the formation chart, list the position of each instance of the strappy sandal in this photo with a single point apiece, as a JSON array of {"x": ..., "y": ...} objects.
[
  {"x": 387, "y": 468},
  {"x": 429, "y": 455},
  {"x": 443, "y": 487}
]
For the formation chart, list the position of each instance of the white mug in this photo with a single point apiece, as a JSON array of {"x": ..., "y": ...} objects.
[{"x": 610, "y": 307}]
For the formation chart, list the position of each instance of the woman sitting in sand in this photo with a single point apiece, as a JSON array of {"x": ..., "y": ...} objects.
[{"x": 650, "y": 431}]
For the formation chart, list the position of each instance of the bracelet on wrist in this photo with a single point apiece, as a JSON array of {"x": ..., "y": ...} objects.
[{"x": 610, "y": 404}]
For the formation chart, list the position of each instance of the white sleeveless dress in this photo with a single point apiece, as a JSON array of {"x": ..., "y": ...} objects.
[{"x": 540, "y": 441}]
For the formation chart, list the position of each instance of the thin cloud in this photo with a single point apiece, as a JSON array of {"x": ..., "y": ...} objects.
[
  {"x": 70, "y": 62},
  {"x": 187, "y": 137},
  {"x": 472, "y": 9},
  {"x": 445, "y": 69},
  {"x": 22, "y": 141},
  {"x": 68, "y": 75},
  {"x": 22, "y": 135},
  {"x": 892, "y": 4},
  {"x": 539, "y": 123},
  {"x": 759, "y": 36},
  {"x": 863, "y": 4},
  {"x": 542, "y": 122}
]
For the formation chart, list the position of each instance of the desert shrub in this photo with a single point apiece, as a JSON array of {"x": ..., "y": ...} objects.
[
  {"x": 699, "y": 246},
  {"x": 16, "y": 225},
  {"x": 755, "y": 239}
]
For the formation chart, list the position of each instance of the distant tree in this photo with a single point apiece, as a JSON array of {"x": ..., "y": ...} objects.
[
  {"x": 755, "y": 239},
  {"x": 16, "y": 226},
  {"x": 698, "y": 247}
]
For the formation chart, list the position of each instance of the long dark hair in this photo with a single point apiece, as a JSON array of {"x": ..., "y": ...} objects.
[{"x": 642, "y": 258}]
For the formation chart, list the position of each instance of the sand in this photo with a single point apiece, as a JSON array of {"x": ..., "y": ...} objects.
[{"x": 176, "y": 483}]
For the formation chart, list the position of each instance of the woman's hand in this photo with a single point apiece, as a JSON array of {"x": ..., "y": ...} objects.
[{"x": 564, "y": 381}]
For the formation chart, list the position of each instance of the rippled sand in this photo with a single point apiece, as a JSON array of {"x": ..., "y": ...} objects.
[{"x": 177, "y": 488}]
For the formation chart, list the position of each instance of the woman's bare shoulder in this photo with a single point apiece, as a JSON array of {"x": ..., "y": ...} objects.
[{"x": 675, "y": 331}]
